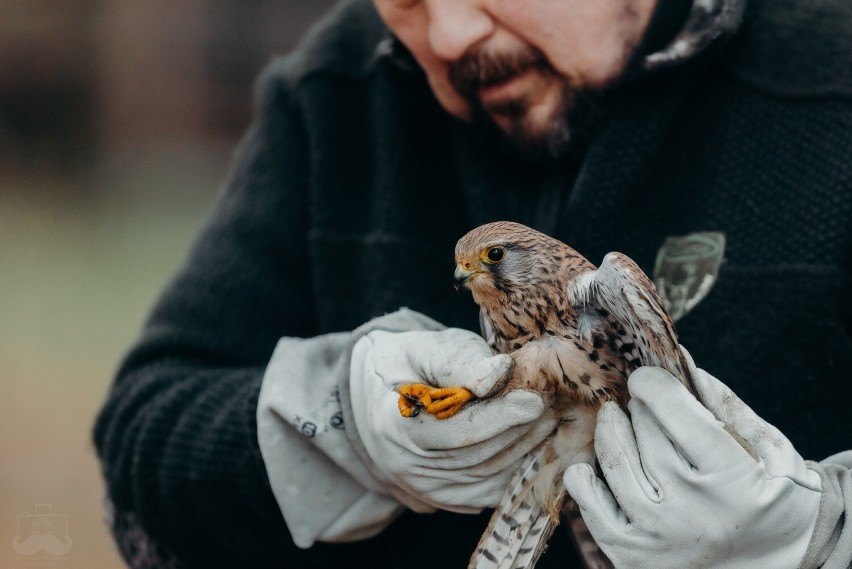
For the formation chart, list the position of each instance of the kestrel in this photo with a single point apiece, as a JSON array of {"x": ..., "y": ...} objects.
[{"x": 575, "y": 334}]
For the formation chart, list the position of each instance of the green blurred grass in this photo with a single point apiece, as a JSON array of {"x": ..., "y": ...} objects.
[{"x": 76, "y": 283}]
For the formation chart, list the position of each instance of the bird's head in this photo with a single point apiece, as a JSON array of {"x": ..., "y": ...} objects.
[{"x": 504, "y": 257}]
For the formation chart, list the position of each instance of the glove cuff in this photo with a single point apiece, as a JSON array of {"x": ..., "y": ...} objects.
[
  {"x": 299, "y": 430},
  {"x": 830, "y": 545},
  {"x": 305, "y": 427}
]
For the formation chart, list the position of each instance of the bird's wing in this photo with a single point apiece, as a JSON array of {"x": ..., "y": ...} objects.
[
  {"x": 620, "y": 288},
  {"x": 624, "y": 292},
  {"x": 520, "y": 526}
]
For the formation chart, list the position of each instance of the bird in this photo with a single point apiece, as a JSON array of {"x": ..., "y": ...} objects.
[{"x": 575, "y": 333}]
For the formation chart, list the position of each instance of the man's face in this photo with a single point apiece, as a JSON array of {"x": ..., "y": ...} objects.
[{"x": 530, "y": 66}]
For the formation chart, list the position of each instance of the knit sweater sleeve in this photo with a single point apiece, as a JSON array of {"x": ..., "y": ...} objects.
[{"x": 177, "y": 435}]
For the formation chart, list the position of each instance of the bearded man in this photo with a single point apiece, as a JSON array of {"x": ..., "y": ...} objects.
[{"x": 255, "y": 422}]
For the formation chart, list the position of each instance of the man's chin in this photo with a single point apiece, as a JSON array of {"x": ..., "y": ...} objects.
[
  {"x": 533, "y": 142},
  {"x": 547, "y": 136}
]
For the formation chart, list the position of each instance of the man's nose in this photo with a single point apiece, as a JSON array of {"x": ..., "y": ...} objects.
[{"x": 457, "y": 25}]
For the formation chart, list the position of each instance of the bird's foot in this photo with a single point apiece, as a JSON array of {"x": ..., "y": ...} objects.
[
  {"x": 447, "y": 401},
  {"x": 442, "y": 402},
  {"x": 413, "y": 398}
]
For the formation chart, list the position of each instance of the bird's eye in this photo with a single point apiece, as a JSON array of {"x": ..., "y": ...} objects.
[{"x": 495, "y": 254}]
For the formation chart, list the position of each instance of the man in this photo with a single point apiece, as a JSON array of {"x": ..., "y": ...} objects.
[{"x": 255, "y": 422}]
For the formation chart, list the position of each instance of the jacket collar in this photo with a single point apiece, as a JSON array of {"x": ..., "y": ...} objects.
[{"x": 708, "y": 22}]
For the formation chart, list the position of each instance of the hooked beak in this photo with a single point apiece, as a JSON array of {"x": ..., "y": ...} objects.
[{"x": 461, "y": 276}]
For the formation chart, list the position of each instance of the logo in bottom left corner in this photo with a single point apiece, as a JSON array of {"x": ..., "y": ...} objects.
[{"x": 42, "y": 532}]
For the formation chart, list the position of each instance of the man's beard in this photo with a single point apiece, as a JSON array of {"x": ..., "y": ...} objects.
[{"x": 571, "y": 121}]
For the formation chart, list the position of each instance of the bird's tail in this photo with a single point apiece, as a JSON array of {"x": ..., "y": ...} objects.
[
  {"x": 530, "y": 507},
  {"x": 519, "y": 529},
  {"x": 587, "y": 548}
]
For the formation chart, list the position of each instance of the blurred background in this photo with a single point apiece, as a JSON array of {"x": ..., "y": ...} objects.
[{"x": 118, "y": 121}]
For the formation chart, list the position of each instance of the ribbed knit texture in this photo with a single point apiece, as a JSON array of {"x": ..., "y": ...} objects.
[{"x": 348, "y": 195}]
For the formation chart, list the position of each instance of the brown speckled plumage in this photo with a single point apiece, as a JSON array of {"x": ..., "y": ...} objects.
[
  {"x": 525, "y": 300},
  {"x": 575, "y": 333}
]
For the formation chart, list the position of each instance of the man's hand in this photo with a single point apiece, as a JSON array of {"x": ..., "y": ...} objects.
[
  {"x": 461, "y": 463},
  {"x": 682, "y": 492}
]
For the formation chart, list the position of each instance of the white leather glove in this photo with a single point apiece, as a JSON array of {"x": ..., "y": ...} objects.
[
  {"x": 683, "y": 493},
  {"x": 461, "y": 463}
]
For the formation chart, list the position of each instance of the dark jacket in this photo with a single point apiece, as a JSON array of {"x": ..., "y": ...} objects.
[{"x": 349, "y": 193}]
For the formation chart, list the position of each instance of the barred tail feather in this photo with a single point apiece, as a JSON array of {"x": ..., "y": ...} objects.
[
  {"x": 588, "y": 549},
  {"x": 519, "y": 529}
]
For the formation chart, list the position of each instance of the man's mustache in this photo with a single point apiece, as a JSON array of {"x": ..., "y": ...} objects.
[{"x": 479, "y": 68}]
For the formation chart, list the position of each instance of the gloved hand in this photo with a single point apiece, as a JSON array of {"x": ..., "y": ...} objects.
[
  {"x": 461, "y": 463},
  {"x": 683, "y": 493}
]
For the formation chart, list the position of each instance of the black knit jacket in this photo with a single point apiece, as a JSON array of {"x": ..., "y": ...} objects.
[{"x": 349, "y": 193}]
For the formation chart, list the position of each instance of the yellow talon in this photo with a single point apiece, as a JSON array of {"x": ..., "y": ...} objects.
[
  {"x": 442, "y": 402},
  {"x": 412, "y": 398},
  {"x": 447, "y": 401}
]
